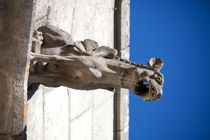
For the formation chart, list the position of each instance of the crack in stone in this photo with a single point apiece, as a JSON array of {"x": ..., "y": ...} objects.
[
  {"x": 81, "y": 114},
  {"x": 101, "y": 104}
]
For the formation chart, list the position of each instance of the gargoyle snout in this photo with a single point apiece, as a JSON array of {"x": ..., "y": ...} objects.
[
  {"x": 148, "y": 89},
  {"x": 158, "y": 96}
]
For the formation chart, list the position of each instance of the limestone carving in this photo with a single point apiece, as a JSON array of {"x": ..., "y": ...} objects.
[{"x": 56, "y": 60}]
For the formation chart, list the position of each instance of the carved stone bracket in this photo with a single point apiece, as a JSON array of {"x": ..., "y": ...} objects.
[{"x": 56, "y": 60}]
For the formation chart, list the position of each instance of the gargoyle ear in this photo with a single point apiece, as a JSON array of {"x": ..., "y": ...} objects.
[{"x": 155, "y": 64}]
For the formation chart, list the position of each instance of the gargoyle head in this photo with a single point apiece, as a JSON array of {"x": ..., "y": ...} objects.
[{"x": 149, "y": 81}]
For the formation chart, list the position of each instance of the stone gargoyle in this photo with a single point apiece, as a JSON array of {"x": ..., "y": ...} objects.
[{"x": 56, "y": 60}]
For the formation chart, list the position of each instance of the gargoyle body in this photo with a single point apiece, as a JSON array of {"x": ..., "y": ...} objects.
[{"x": 56, "y": 60}]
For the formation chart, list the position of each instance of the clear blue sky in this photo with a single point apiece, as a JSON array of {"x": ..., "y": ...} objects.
[{"x": 179, "y": 32}]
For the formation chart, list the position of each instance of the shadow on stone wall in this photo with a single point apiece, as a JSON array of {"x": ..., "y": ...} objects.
[{"x": 32, "y": 88}]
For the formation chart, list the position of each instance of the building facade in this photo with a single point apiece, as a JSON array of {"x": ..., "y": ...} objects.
[{"x": 60, "y": 113}]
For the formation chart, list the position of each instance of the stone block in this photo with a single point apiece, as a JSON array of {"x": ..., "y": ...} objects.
[
  {"x": 103, "y": 121},
  {"x": 6, "y": 106},
  {"x": 81, "y": 126},
  {"x": 14, "y": 46},
  {"x": 96, "y": 22},
  {"x": 101, "y": 96},
  {"x": 80, "y": 101},
  {"x": 56, "y": 113},
  {"x": 123, "y": 109},
  {"x": 35, "y": 117}
]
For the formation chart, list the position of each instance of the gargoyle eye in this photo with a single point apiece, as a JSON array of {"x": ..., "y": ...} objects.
[{"x": 158, "y": 78}]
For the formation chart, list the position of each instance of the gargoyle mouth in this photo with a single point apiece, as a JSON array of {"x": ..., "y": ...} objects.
[{"x": 148, "y": 90}]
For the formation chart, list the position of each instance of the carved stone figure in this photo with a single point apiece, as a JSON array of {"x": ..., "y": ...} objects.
[{"x": 56, "y": 60}]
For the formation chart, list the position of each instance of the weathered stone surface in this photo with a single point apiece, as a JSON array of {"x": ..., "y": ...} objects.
[
  {"x": 94, "y": 19},
  {"x": 35, "y": 116},
  {"x": 123, "y": 134},
  {"x": 97, "y": 24},
  {"x": 122, "y": 95},
  {"x": 6, "y": 117},
  {"x": 122, "y": 131},
  {"x": 101, "y": 96},
  {"x": 103, "y": 121},
  {"x": 56, "y": 113},
  {"x": 82, "y": 126},
  {"x": 48, "y": 114},
  {"x": 14, "y": 46},
  {"x": 2, "y": 137},
  {"x": 80, "y": 101}
]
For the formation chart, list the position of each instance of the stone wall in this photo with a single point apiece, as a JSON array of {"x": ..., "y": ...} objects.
[{"x": 62, "y": 113}]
